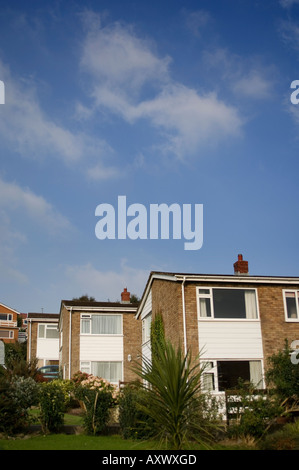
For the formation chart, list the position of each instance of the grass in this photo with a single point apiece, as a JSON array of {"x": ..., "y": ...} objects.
[
  {"x": 38, "y": 441},
  {"x": 72, "y": 442}
]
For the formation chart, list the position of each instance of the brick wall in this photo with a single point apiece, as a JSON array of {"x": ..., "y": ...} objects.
[
  {"x": 274, "y": 327},
  {"x": 167, "y": 300},
  {"x": 32, "y": 341},
  {"x": 132, "y": 344},
  {"x": 131, "y": 338}
]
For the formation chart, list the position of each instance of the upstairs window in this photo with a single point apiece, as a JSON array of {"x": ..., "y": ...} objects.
[
  {"x": 291, "y": 302},
  {"x": 6, "y": 316},
  {"x": 226, "y": 303},
  {"x": 48, "y": 331},
  {"x": 101, "y": 324}
]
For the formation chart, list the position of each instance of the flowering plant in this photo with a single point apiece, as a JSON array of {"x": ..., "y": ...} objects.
[{"x": 98, "y": 396}]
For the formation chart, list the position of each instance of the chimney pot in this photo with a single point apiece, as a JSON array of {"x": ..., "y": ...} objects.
[
  {"x": 125, "y": 296},
  {"x": 241, "y": 266}
]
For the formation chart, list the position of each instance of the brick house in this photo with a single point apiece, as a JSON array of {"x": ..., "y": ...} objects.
[
  {"x": 43, "y": 338},
  {"x": 235, "y": 322},
  {"x": 100, "y": 338},
  {"x": 9, "y": 331}
]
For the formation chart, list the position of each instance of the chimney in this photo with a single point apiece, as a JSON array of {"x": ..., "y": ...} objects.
[
  {"x": 125, "y": 296},
  {"x": 241, "y": 266}
]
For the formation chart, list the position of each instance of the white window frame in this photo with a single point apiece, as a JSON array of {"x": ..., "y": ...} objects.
[
  {"x": 86, "y": 366},
  {"x": 48, "y": 326},
  {"x": 9, "y": 316},
  {"x": 296, "y": 292},
  {"x": 10, "y": 334},
  {"x": 210, "y": 296},
  {"x": 213, "y": 369},
  {"x": 87, "y": 316}
]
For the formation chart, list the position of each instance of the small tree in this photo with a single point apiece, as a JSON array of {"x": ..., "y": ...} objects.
[
  {"x": 282, "y": 375},
  {"x": 172, "y": 401}
]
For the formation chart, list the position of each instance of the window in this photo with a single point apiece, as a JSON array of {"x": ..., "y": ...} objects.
[
  {"x": 146, "y": 328},
  {"x": 225, "y": 375},
  {"x": 101, "y": 324},
  {"x": 224, "y": 303},
  {"x": 6, "y": 334},
  {"x": 291, "y": 303},
  {"x": 6, "y": 316},
  {"x": 111, "y": 371},
  {"x": 47, "y": 331}
]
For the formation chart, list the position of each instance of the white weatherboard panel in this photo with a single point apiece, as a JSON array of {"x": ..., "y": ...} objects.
[
  {"x": 101, "y": 348},
  {"x": 230, "y": 339},
  {"x": 47, "y": 348},
  {"x": 147, "y": 308}
]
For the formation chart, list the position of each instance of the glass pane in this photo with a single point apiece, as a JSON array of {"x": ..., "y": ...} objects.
[
  {"x": 115, "y": 371},
  {"x": 208, "y": 382},
  {"x": 4, "y": 334},
  {"x": 204, "y": 307},
  {"x": 291, "y": 307},
  {"x": 229, "y": 303},
  {"x": 256, "y": 377},
  {"x": 204, "y": 291},
  {"x": 52, "y": 332},
  {"x": 229, "y": 373},
  {"x": 106, "y": 324},
  {"x": 85, "y": 325},
  {"x": 41, "y": 331}
]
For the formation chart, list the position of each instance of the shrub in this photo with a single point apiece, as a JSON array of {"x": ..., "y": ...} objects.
[
  {"x": 16, "y": 397},
  {"x": 98, "y": 397},
  {"x": 173, "y": 388},
  {"x": 286, "y": 438},
  {"x": 257, "y": 411},
  {"x": 282, "y": 375},
  {"x": 52, "y": 406},
  {"x": 134, "y": 424}
]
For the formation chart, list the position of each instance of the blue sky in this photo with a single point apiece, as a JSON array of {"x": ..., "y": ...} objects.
[{"x": 184, "y": 102}]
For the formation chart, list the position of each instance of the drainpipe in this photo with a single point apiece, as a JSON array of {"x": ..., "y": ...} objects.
[
  {"x": 70, "y": 342},
  {"x": 29, "y": 346},
  {"x": 184, "y": 315}
]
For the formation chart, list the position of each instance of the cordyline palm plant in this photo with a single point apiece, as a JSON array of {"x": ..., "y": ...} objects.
[{"x": 173, "y": 399}]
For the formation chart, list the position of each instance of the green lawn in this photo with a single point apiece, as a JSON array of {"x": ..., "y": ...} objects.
[
  {"x": 38, "y": 441},
  {"x": 72, "y": 442}
]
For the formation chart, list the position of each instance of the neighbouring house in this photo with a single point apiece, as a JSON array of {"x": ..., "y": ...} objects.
[
  {"x": 43, "y": 338},
  {"x": 9, "y": 331},
  {"x": 234, "y": 322},
  {"x": 100, "y": 338}
]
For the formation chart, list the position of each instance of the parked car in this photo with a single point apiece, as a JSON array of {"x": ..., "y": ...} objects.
[{"x": 49, "y": 372}]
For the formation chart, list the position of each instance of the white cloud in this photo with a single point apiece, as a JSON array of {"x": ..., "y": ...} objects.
[
  {"x": 116, "y": 56},
  {"x": 106, "y": 284},
  {"x": 15, "y": 198},
  {"x": 245, "y": 77},
  {"x": 253, "y": 85},
  {"x": 288, "y": 3},
  {"x": 131, "y": 81},
  {"x": 26, "y": 128}
]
